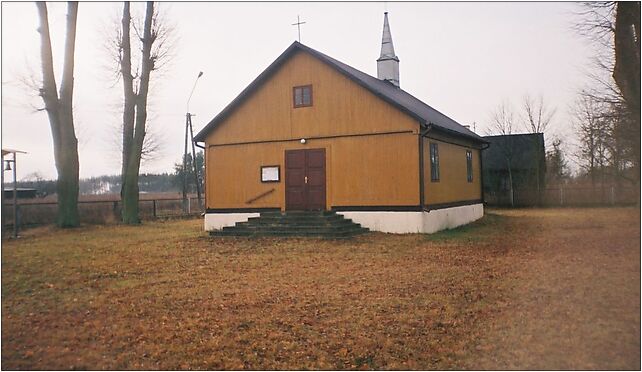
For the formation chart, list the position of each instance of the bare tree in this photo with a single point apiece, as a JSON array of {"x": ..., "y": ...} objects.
[
  {"x": 615, "y": 29},
  {"x": 154, "y": 46},
  {"x": 626, "y": 73},
  {"x": 152, "y": 144},
  {"x": 556, "y": 165},
  {"x": 537, "y": 115},
  {"x": 503, "y": 123},
  {"x": 591, "y": 124},
  {"x": 60, "y": 113},
  {"x": 537, "y": 118}
]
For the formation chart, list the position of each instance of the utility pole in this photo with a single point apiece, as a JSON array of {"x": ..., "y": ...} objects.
[{"x": 189, "y": 133}]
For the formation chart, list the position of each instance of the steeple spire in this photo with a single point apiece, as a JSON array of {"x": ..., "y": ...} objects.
[{"x": 388, "y": 62}]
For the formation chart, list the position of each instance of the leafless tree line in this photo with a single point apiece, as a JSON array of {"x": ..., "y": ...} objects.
[
  {"x": 152, "y": 38},
  {"x": 606, "y": 116}
]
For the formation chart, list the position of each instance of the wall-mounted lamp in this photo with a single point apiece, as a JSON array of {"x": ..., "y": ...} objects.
[{"x": 303, "y": 141}]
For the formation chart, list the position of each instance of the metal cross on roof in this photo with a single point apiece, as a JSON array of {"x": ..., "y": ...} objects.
[{"x": 298, "y": 26}]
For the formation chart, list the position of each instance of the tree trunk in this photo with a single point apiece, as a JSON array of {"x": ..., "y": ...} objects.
[
  {"x": 133, "y": 152},
  {"x": 626, "y": 72},
  {"x": 129, "y": 98},
  {"x": 60, "y": 112},
  {"x": 128, "y": 215}
]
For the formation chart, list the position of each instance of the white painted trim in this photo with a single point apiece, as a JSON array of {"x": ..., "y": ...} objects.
[
  {"x": 216, "y": 221},
  {"x": 417, "y": 222}
]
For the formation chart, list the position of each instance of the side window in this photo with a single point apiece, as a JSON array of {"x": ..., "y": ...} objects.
[
  {"x": 469, "y": 165},
  {"x": 434, "y": 162},
  {"x": 302, "y": 96}
]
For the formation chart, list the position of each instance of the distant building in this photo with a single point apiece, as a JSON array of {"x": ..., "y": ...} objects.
[
  {"x": 312, "y": 133},
  {"x": 525, "y": 155},
  {"x": 22, "y": 193}
]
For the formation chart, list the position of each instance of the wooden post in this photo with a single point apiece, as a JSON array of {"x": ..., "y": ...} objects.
[
  {"x": 154, "y": 207},
  {"x": 561, "y": 196},
  {"x": 189, "y": 205},
  {"x": 15, "y": 199},
  {"x": 116, "y": 214},
  {"x": 612, "y": 195},
  {"x": 17, "y": 220},
  {"x": 2, "y": 215}
]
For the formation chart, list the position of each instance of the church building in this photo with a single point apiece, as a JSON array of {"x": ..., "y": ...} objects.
[{"x": 313, "y": 133}]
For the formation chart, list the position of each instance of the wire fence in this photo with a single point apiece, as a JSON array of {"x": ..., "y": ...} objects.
[
  {"x": 32, "y": 212},
  {"x": 566, "y": 196}
]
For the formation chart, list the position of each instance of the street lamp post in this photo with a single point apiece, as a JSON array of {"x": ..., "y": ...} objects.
[
  {"x": 15, "y": 198},
  {"x": 8, "y": 162}
]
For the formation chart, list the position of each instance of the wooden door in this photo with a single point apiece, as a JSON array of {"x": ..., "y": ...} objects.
[
  {"x": 315, "y": 181},
  {"x": 305, "y": 179}
]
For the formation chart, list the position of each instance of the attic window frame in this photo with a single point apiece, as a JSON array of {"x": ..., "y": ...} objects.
[{"x": 303, "y": 104}]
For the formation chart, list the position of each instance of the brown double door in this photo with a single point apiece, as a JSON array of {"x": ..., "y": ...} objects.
[{"x": 305, "y": 179}]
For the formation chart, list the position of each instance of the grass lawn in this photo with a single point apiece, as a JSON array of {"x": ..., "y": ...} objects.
[{"x": 525, "y": 289}]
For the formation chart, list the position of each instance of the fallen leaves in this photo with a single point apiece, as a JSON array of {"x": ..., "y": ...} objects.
[{"x": 165, "y": 296}]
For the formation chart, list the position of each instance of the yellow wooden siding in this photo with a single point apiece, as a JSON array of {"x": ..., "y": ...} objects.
[
  {"x": 340, "y": 107},
  {"x": 453, "y": 185},
  {"x": 377, "y": 170}
]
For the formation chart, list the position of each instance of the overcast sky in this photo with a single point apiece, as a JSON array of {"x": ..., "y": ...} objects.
[{"x": 463, "y": 59}]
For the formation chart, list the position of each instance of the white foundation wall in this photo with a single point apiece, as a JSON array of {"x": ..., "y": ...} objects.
[
  {"x": 216, "y": 221},
  {"x": 417, "y": 222},
  {"x": 448, "y": 218},
  {"x": 389, "y": 222}
]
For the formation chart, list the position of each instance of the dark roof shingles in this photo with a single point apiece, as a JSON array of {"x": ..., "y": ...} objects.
[{"x": 381, "y": 88}]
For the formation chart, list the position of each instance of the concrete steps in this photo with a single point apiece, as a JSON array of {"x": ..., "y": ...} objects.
[{"x": 321, "y": 224}]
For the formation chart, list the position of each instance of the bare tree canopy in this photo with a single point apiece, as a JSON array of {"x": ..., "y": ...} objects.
[
  {"x": 537, "y": 115},
  {"x": 59, "y": 109},
  {"x": 590, "y": 125},
  {"x": 502, "y": 120}
]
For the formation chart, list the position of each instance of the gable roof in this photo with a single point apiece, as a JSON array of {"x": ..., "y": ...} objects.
[{"x": 399, "y": 98}]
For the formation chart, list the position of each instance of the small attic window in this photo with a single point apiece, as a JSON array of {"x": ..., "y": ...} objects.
[{"x": 302, "y": 96}]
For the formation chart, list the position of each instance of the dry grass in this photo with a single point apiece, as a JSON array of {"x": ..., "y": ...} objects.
[{"x": 519, "y": 289}]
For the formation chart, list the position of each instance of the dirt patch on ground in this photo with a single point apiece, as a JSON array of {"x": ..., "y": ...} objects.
[{"x": 519, "y": 289}]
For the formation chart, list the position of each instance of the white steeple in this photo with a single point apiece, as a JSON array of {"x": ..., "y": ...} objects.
[{"x": 388, "y": 62}]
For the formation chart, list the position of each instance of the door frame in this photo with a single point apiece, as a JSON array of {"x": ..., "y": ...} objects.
[{"x": 325, "y": 179}]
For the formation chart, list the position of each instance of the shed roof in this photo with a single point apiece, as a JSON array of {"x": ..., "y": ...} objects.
[
  {"x": 381, "y": 88},
  {"x": 524, "y": 150},
  {"x": 11, "y": 151}
]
